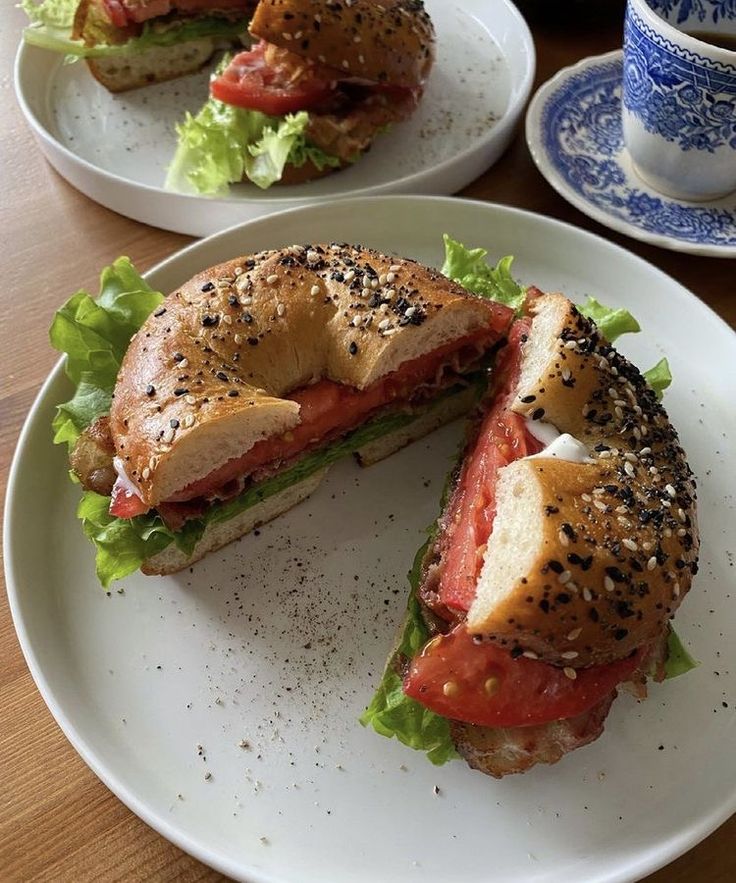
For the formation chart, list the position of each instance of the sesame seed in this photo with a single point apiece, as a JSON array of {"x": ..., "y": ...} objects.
[
  {"x": 681, "y": 515},
  {"x": 681, "y": 532},
  {"x": 280, "y": 309},
  {"x": 189, "y": 420},
  {"x": 314, "y": 290},
  {"x": 410, "y": 312},
  {"x": 390, "y": 293},
  {"x": 389, "y": 332},
  {"x": 670, "y": 490},
  {"x": 569, "y": 654},
  {"x": 272, "y": 279},
  {"x": 647, "y": 546},
  {"x": 356, "y": 38},
  {"x": 587, "y": 595},
  {"x": 383, "y": 324},
  {"x": 629, "y": 469},
  {"x": 374, "y": 284},
  {"x": 394, "y": 268},
  {"x": 630, "y": 545},
  {"x": 365, "y": 292},
  {"x": 168, "y": 436},
  {"x": 184, "y": 363},
  {"x": 570, "y": 672},
  {"x": 345, "y": 63},
  {"x": 152, "y": 463},
  {"x": 575, "y": 633},
  {"x": 676, "y": 590},
  {"x": 298, "y": 35},
  {"x": 350, "y": 275},
  {"x": 382, "y": 279},
  {"x": 608, "y": 583},
  {"x": 566, "y": 373},
  {"x": 530, "y": 654},
  {"x": 246, "y": 301},
  {"x": 146, "y": 473},
  {"x": 585, "y": 409},
  {"x": 612, "y": 392},
  {"x": 652, "y": 563},
  {"x": 355, "y": 321},
  {"x": 571, "y": 344},
  {"x": 238, "y": 338},
  {"x": 631, "y": 457},
  {"x": 618, "y": 411},
  {"x": 390, "y": 277},
  {"x": 564, "y": 577},
  {"x": 312, "y": 257},
  {"x": 361, "y": 58},
  {"x": 286, "y": 35},
  {"x": 644, "y": 451},
  {"x": 190, "y": 400},
  {"x": 586, "y": 497},
  {"x": 227, "y": 319},
  {"x": 599, "y": 504},
  {"x": 562, "y": 536}
]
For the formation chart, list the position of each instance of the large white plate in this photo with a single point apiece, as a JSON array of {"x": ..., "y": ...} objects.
[
  {"x": 280, "y": 638},
  {"x": 115, "y": 148}
]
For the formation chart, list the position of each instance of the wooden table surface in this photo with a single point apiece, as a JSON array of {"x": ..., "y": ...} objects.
[{"x": 57, "y": 821}]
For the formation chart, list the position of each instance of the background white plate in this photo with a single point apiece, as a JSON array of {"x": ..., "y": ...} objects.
[
  {"x": 115, "y": 148},
  {"x": 280, "y": 638}
]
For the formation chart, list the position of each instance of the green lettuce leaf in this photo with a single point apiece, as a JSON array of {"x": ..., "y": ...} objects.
[
  {"x": 51, "y": 28},
  {"x": 122, "y": 544},
  {"x": 94, "y": 335},
  {"x": 612, "y": 323},
  {"x": 679, "y": 661},
  {"x": 222, "y": 144},
  {"x": 393, "y": 713},
  {"x": 467, "y": 267},
  {"x": 659, "y": 377}
]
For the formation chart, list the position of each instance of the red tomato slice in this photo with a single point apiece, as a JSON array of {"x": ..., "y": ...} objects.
[
  {"x": 326, "y": 408},
  {"x": 480, "y": 683},
  {"x": 117, "y": 13},
  {"x": 501, "y": 440},
  {"x": 250, "y": 81},
  {"x": 124, "y": 504}
]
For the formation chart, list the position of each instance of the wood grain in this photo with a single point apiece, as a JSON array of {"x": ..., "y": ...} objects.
[{"x": 57, "y": 821}]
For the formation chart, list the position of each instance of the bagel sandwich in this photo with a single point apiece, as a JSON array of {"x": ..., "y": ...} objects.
[
  {"x": 567, "y": 541},
  {"x": 133, "y": 43},
  {"x": 323, "y": 79},
  {"x": 204, "y": 413}
]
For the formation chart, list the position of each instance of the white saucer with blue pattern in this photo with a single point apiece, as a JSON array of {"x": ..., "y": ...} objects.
[{"x": 574, "y": 133}]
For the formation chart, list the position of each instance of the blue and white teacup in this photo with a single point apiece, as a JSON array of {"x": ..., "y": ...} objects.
[{"x": 679, "y": 95}]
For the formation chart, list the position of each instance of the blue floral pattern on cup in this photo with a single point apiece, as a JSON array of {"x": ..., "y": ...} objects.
[
  {"x": 583, "y": 139},
  {"x": 703, "y": 10},
  {"x": 687, "y": 99}
]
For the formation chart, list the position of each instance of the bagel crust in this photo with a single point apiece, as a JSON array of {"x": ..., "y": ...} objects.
[
  {"x": 391, "y": 42},
  {"x": 587, "y": 560},
  {"x": 204, "y": 378}
]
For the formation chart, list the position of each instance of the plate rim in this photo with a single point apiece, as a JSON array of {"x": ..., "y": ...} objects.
[
  {"x": 549, "y": 172},
  {"x": 498, "y": 134},
  {"x": 657, "y": 857}
]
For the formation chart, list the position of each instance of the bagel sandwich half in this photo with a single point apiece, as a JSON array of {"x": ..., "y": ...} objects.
[
  {"x": 323, "y": 80},
  {"x": 221, "y": 405},
  {"x": 567, "y": 541},
  {"x": 133, "y": 43}
]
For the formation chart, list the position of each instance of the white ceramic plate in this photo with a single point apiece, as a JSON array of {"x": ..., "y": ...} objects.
[
  {"x": 116, "y": 148},
  {"x": 281, "y": 637}
]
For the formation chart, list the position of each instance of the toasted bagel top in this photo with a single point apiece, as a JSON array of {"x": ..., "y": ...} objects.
[{"x": 205, "y": 377}]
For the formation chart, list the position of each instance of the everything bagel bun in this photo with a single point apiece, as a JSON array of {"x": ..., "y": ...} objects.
[
  {"x": 204, "y": 378},
  {"x": 391, "y": 42},
  {"x": 588, "y": 560}
]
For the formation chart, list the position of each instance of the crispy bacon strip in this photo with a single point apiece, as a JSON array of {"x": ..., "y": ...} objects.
[{"x": 501, "y": 751}]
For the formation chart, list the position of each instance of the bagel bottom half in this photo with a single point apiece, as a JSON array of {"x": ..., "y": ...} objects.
[{"x": 219, "y": 534}]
